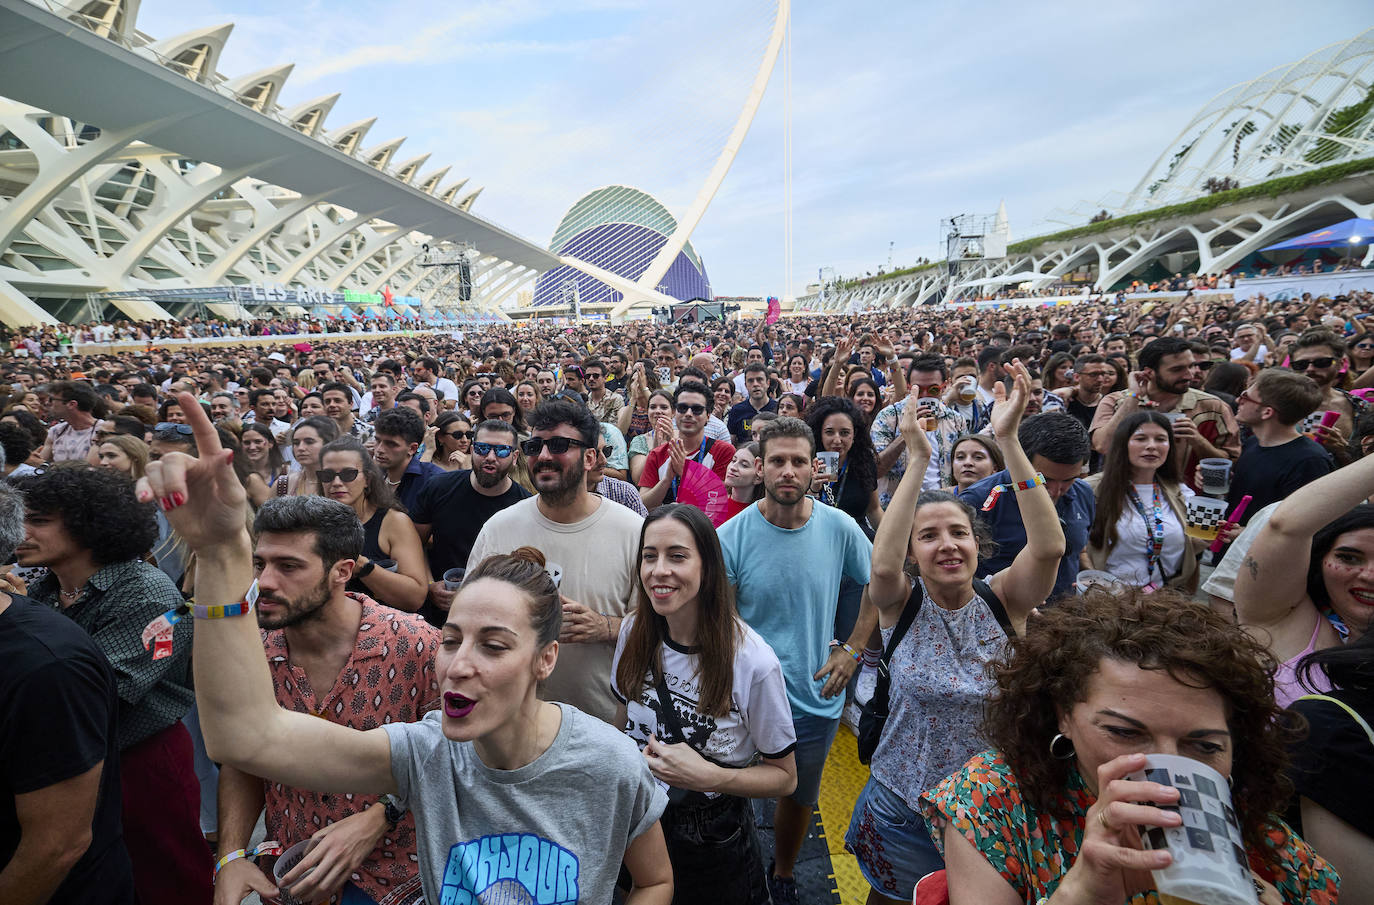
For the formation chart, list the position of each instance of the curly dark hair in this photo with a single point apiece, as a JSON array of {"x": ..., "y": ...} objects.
[
  {"x": 98, "y": 508},
  {"x": 863, "y": 461},
  {"x": 1048, "y": 669}
]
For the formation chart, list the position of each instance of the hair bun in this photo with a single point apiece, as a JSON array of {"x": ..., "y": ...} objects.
[{"x": 529, "y": 554}]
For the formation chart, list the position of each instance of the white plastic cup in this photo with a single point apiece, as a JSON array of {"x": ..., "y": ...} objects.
[
  {"x": 1205, "y": 516},
  {"x": 1089, "y": 578},
  {"x": 830, "y": 461},
  {"x": 1216, "y": 476},
  {"x": 453, "y": 578},
  {"x": 1209, "y": 865},
  {"x": 285, "y": 862}
]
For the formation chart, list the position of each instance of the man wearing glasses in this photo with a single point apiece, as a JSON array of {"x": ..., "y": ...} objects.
[
  {"x": 667, "y": 461},
  {"x": 605, "y": 405},
  {"x": 592, "y": 541},
  {"x": 1320, "y": 354},
  {"x": 452, "y": 508}
]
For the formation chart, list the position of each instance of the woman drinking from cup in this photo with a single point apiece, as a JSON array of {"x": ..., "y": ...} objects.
[
  {"x": 392, "y": 569},
  {"x": 951, "y": 627},
  {"x": 723, "y": 734},
  {"x": 1307, "y": 580},
  {"x": 1095, "y": 685},
  {"x": 512, "y": 797},
  {"x": 1138, "y": 533}
]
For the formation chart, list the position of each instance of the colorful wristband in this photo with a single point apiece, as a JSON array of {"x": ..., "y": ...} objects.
[
  {"x": 158, "y": 633},
  {"x": 999, "y": 489},
  {"x": 858, "y": 657},
  {"x": 270, "y": 847}
]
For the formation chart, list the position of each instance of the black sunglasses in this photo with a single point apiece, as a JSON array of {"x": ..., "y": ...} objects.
[
  {"x": 608, "y": 451},
  {"x": 1325, "y": 361},
  {"x": 461, "y": 435},
  {"x": 327, "y": 475},
  {"x": 556, "y": 445},
  {"x": 683, "y": 408},
  {"x": 502, "y": 450},
  {"x": 1205, "y": 364},
  {"x": 169, "y": 427}
]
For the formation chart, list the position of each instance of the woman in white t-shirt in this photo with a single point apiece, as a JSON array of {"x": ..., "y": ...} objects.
[
  {"x": 703, "y": 696},
  {"x": 514, "y": 798},
  {"x": 1137, "y": 534}
]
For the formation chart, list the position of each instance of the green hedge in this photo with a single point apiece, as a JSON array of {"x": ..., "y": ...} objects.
[{"x": 1272, "y": 188}]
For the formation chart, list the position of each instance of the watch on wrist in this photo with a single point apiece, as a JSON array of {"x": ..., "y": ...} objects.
[
  {"x": 366, "y": 570},
  {"x": 392, "y": 810}
]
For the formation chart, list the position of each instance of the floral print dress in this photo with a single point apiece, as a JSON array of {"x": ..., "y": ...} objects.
[{"x": 1033, "y": 851}]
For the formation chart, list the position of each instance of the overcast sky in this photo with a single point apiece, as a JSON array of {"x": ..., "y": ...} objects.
[{"x": 903, "y": 112}]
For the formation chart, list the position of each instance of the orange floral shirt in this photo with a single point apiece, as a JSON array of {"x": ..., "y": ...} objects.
[
  {"x": 389, "y": 678},
  {"x": 1033, "y": 851}
]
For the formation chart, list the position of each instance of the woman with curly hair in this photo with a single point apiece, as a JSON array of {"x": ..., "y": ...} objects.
[
  {"x": 1096, "y": 683},
  {"x": 841, "y": 427},
  {"x": 864, "y": 392},
  {"x": 940, "y": 633}
]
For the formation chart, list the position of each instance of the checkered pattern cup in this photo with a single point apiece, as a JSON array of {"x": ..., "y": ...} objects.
[
  {"x": 1205, "y": 516},
  {"x": 1209, "y": 866}
]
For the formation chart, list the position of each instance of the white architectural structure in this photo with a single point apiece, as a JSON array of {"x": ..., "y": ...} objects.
[
  {"x": 129, "y": 162},
  {"x": 1315, "y": 116}
]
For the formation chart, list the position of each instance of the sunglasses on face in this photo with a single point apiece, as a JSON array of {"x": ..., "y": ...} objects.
[
  {"x": 169, "y": 427},
  {"x": 556, "y": 445},
  {"x": 327, "y": 475},
  {"x": 461, "y": 435},
  {"x": 1323, "y": 362},
  {"x": 502, "y": 450},
  {"x": 1365, "y": 346},
  {"x": 683, "y": 408}
]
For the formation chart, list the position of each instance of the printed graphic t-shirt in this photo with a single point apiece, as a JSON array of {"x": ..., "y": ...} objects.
[{"x": 552, "y": 832}]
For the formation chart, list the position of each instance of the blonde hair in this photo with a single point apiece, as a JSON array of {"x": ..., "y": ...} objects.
[{"x": 134, "y": 449}]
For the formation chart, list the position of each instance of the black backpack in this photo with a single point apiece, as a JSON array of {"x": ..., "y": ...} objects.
[{"x": 875, "y": 712}]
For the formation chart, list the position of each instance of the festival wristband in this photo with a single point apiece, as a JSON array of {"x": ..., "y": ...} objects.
[
  {"x": 158, "y": 633},
  {"x": 847, "y": 649},
  {"x": 270, "y": 847},
  {"x": 999, "y": 489}
]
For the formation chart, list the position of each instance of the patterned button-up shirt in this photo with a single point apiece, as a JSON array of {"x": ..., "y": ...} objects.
[
  {"x": 950, "y": 425},
  {"x": 607, "y": 408},
  {"x": 114, "y": 606},
  {"x": 622, "y": 492},
  {"x": 389, "y": 678}
]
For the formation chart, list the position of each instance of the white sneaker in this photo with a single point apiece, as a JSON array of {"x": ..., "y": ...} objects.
[
  {"x": 868, "y": 681},
  {"x": 850, "y": 716}
]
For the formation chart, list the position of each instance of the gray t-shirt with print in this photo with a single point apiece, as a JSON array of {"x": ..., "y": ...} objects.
[{"x": 552, "y": 832}]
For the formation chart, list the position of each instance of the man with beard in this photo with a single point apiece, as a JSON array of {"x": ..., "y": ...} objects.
[
  {"x": 786, "y": 555},
  {"x": 345, "y": 658},
  {"x": 452, "y": 508},
  {"x": 1205, "y": 427},
  {"x": 1320, "y": 354},
  {"x": 589, "y": 543}
]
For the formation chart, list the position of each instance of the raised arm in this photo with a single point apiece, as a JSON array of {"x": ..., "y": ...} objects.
[
  {"x": 242, "y": 723},
  {"x": 887, "y": 585},
  {"x": 1271, "y": 586},
  {"x": 1029, "y": 579}
]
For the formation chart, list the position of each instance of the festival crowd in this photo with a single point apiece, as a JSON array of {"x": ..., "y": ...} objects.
[{"x": 541, "y": 614}]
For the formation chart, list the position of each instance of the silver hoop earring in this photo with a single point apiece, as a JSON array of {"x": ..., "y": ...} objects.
[{"x": 1061, "y": 747}]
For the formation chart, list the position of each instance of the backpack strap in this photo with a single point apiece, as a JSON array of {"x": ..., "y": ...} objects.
[
  {"x": 999, "y": 612},
  {"x": 1354, "y": 715}
]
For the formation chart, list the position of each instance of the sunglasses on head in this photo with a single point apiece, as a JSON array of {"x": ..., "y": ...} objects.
[
  {"x": 502, "y": 450},
  {"x": 608, "y": 451},
  {"x": 1325, "y": 361},
  {"x": 556, "y": 445},
  {"x": 683, "y": 408},
  {"x": 170, "y": 427},
  {"x": 461, "y": 435},
  {"x": 327, "y": 475}
]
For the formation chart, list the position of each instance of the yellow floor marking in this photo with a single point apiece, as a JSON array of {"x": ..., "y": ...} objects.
[{"x": 841, "y": 784}]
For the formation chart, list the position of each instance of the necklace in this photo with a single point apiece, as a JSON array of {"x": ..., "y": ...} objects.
[
  {"x": 69, "y": 595},
  {"x": 391, "y": 483}
]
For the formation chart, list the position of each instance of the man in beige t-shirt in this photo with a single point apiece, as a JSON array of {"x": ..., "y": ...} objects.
[{"x": 594, "y": 542}]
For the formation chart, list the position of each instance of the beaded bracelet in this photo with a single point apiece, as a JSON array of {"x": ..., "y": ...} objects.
[
  {"x": 270, "y": 847},
  {"x": 999, "y": 489},
  {"x": 847, "y": 649}
]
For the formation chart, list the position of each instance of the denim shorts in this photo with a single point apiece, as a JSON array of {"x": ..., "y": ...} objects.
[
  {"x": 714, "y": 850},
  {"x": 814, "y": 737},
  {"x": 890, "y": 842}
]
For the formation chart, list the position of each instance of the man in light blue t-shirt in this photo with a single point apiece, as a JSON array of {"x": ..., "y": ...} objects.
[{"x": 785, "y": 556}]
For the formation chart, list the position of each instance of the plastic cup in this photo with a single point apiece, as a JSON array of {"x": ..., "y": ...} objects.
[
  {"x": 1205, "y": 516},
  {"x": 1216, "y": 476},
  {"x": 555, "y": 572},
  {"x": 453, "y": 578},
  {"x": 830, "y": 461},
  {"x": 1174, "y": 416},
  {"x": 1090, "y": 578},
  {"x": 285, "y": 861},
  {"x": 968, "y": 390},
  {"x": 1209, "y": 866}
]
